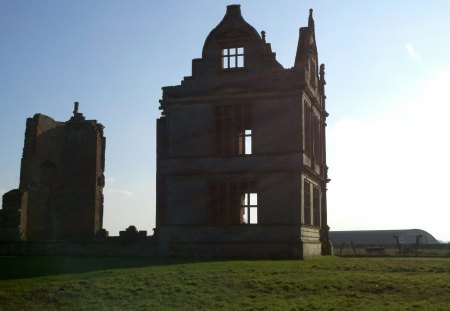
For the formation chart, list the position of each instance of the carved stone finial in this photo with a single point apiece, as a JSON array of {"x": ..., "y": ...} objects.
[
  {"x": 322, "y": 72},
  {"x": 310, "y": 18},
  {"x": 263, "y": 35},
  {"x": 322, "y": 69},
  {"x": 77, "y": 116}
]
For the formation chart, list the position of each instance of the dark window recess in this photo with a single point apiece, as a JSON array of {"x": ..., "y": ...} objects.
[
  {"x": 233, "y": 58},
  {"x": 307, "y": 202},
  {"x": 312, "y": 73},
  {"x": 232, "y": 130},
  {"x": 317, "y": 141},
  {"x": 313, "y": 135},
  {"x": 232, "y": 203},
  {"x": 316, "y": 206},
  {"x": 307, "y": 129}
]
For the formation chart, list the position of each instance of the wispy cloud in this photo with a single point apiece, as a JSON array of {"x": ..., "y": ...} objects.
[
  {"x": 120, "y": 192},
  {"x": 412, "y": 52}
]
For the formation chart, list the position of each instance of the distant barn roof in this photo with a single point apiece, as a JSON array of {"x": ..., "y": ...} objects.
[{"x": 377, "y": 237}]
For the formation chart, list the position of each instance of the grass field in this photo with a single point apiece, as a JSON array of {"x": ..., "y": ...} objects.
[{"x": 327, "y": 283}]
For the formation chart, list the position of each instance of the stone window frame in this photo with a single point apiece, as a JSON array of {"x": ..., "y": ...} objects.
[
  {"x": 316, "y": 136},
  {"x": 232, "y": 129},
  {"x": 245, "y": 141},
  {"x": 233, "y": 57},
  {"x": 312, "y": 131},
  {"x": 307, "y": 208},
  {"x": 307, "y": 128},
  {"x": 249, "y": 207},
  {"x": 311, "y": 203},
  {"x": 227, "y": 202},
  {"x": 316, "y": 206}
]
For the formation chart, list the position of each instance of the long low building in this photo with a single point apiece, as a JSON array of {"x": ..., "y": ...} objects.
[{"x": 382, "y": 237}]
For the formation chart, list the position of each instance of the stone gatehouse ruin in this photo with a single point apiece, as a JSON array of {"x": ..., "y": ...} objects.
[
  {"x": 60, "y": 196},
  {"x": 241, "y": 161}
]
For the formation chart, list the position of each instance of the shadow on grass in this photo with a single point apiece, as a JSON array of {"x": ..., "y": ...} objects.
[
  {"x": 18, "y": 267},
  {"x": 23, "y": 267}
]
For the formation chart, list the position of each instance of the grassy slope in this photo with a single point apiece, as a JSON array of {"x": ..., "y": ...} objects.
[{"x": 40, "y": 283}]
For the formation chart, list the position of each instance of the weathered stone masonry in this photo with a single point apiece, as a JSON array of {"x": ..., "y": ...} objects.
[
  {"x": 241, "y": 163},
  {"x": 60, "y": 196}
]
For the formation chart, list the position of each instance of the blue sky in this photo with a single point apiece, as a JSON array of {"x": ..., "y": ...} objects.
[{"x": 387, "y": 71}]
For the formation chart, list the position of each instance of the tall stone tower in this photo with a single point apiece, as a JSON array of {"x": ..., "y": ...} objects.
[
  {"x": 60, "y": 196},
  {"x": 241, "y": 161}
]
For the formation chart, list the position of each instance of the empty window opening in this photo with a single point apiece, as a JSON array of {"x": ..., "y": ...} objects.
[
  {"x": 316, "y": 206},
  {"x": 307, "y": 129},
  {"x": 316, "y": 139},
  {"x": 232, "y": 203},
  {"x": 307, "y": 202},
  {"x": 312, "y": 134},
  {"x": 232, "y": 129},
  {"x": 233, "y": 58},
  {"x": 245, "y": 142},
  {"x": 249, "y": 208},
  {"x": 312, "y": 73}
]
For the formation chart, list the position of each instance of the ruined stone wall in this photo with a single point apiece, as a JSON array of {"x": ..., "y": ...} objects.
[
  {"x": 190, "y": 164},
  {"x": 13, "y": 215},
  {"x": 62, "y": 177},
  {"x": 239, "y": 96}
]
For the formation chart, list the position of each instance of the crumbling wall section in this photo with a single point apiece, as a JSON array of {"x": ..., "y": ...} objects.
[
  {"x": 62, "y": 176},
  {"x": 13, "y": 216}
]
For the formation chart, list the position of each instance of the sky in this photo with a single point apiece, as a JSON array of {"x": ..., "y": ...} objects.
[{"x": 387, "y": 72}]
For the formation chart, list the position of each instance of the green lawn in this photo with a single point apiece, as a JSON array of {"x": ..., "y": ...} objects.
[{"x": 327, "y": 283}]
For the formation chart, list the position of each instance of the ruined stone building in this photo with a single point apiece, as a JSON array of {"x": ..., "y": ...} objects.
[
  {"x": 241, "y": 162},
  {"x": 61, "y": 182}
]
